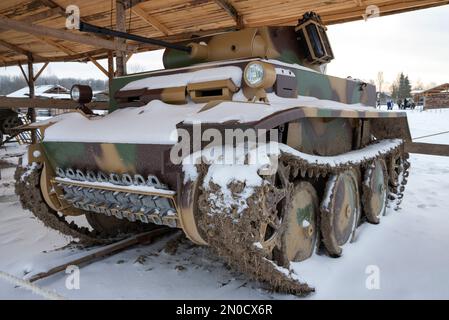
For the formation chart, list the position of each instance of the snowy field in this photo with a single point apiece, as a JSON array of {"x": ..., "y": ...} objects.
[{"x": 408, "y": 250}]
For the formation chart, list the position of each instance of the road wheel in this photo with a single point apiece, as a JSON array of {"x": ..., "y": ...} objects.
[
  {"x": 374, "y": 198},
  {"x": 339, "y": 212},
  {"x": 300, "y": 226}
]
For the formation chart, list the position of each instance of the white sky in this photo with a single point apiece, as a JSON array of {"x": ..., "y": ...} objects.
[{"x": 416, "y": 43}]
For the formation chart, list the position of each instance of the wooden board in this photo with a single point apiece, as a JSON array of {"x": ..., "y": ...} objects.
[
  {"x": 171, "y": 20},
  {"x": 19, "y": 103}
]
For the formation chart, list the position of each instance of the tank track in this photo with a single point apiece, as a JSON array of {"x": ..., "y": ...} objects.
[
  {"x": 233, "y": 235},
  {"x": 398, "y": 178},
  {"x": 27, "y": 187}
]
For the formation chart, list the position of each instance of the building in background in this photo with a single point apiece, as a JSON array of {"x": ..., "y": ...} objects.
[
  {"x": 383, "y": 97},
  {"x": 47, "y": 91},
  {"x": 434, "y": 98}
]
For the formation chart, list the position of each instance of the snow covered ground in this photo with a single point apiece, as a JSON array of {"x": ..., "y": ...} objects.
[{"x": 406, "y": 254}]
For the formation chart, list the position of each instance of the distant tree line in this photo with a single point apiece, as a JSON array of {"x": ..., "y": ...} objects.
[{"x": 9, "y": 84}]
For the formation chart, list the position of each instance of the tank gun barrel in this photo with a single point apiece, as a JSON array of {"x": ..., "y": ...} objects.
[{"x": 87, "y": 27}]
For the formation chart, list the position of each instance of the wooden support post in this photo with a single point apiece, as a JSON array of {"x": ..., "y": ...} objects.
[
  {"x": 110, "y": 68},
  {"x": 31, "y": 111},
  {"x": 120, "y": 19}
]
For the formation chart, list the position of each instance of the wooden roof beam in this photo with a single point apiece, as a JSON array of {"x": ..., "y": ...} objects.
[
  {"x": 102, "y": 54},
  {"x": 231, "y": 11},
  {"x": 3, "y": 60},
  {"x": 54, "y": 5},
  {"x": 41, "y": 15},
  {"x": 138, "y": 11},
  {"x": 56, "y": 45},
  {"x": 132, "y": 3},
  {"x": 63, "y": 35},
  {"x": 16, "y": 48},
  {"x": 385, "y": 10}
]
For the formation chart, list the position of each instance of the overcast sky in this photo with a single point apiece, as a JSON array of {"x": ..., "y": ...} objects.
[{"x": 416, "y": 43}]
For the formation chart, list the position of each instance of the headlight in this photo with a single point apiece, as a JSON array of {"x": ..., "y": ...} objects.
[
  {"x": 254, "y": 74},
  {"x": 81, "y": 94},
  {"x": 259, "y": 75}
]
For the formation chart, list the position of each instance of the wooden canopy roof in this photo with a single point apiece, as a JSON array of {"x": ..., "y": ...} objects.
[{"x": 36, "y": 28}]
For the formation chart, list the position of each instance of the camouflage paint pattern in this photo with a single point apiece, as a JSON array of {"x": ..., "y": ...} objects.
[
  {"x": 322, "y": 137},
  {"x": 282, "y": 45},
  {"x": 117, "y": 158},
  {"x": 309, "y": 83},
  {"x": 313, "y": 136}
]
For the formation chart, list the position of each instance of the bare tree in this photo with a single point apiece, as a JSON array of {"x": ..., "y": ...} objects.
[{"x": 380, "y": 80}]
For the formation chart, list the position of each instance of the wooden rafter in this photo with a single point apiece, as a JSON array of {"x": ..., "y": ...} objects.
[
  {"x": 102, "y": 54},
  {"x": 53, "y": 5},
  {"x": 62, "y": 34},
  {"x": 132, "y": 3},
  {"x": 386, "y": 9},
  {"x": 138, "y": 11},
  {"x": 231, "y": 11},
  {"x": 41, "y": 15},
  {"x": 56, "y": 45},
  {"x": 14, "y": 47}
]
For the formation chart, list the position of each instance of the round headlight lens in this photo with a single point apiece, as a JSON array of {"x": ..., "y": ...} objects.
[
  {"x": 254, "y": 74},
  {"x": 81, "y": 93},
  {"x": 75, "y": 93}
]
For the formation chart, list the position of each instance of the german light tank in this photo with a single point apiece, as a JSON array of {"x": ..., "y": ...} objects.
[{"x": 243, "y": 142}]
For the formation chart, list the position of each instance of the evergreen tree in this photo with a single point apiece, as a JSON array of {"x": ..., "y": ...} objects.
[
  {"x": 402, "y": 88},
  {"x": 394, "y": 92},
  {"x": 407, "y": 88}
]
